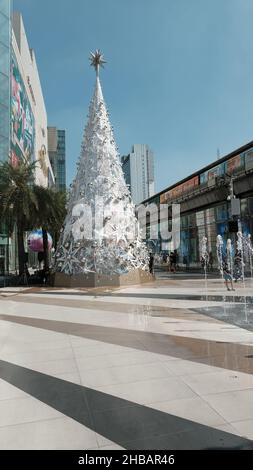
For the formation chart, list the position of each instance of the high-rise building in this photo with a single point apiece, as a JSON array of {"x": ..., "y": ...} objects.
[
  {"x": 125, "y": 161},
  {"x": 57, "y": 156},
  {"x": 5, "y": 47},
  {"x": 28, "y": 111},
  {"x": 138, "y": 168},
  {"x": 23, "y": 117}
]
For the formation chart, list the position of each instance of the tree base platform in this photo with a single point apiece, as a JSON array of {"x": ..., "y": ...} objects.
[{"x": 137, "y": 276}]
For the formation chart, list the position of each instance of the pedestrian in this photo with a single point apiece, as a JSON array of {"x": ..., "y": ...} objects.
[
  {"x": 227, "y": 277},
  {"x": 151, "y": 263},
  {"x": 211, "y": 261},
  {"x": 168, "y": 263},
  {"x": 176, "y": 258},
  {"x": 185, "y": 261},
  {"x": 173, "y": 261}
]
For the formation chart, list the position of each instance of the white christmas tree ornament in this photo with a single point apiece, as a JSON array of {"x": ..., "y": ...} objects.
[{"x": 100, "y": 233}]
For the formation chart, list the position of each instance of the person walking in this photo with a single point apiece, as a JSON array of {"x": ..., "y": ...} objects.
[
  {"x": 172, "y": 268},
  {"x": 168, "y": 263},
  {"x": 174, "y": 261},
  {"x": 228, "y": 277},
  {"x": 151, "y": 263},
  {"x": 176, "y": 258}
]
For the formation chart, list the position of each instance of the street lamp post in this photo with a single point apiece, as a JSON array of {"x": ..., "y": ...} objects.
[{"x": 235, "y": 203}]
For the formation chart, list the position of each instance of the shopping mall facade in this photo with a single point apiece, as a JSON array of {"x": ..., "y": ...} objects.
[
  {"x": 23, "y": 117},
  {"x": 206, "y": 209}
]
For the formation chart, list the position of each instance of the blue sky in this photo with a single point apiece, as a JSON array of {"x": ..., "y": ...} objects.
[{"x": 179, "y": 75}]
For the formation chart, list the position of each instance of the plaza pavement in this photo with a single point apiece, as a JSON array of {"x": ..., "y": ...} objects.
[{"x": 166, "y": 365}]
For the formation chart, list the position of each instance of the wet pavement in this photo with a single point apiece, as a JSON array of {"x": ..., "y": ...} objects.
[
  {"x": 236, "y": 314},
  {"x": 166, "y": 365}
]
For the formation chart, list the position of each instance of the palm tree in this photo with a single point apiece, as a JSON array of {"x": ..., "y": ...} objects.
[
  {"x": 49, "y": 216},
  {"x": 60, "y": 199},
  {"x": 18, "y": 201},
  {"x": 29, "y": 206}
]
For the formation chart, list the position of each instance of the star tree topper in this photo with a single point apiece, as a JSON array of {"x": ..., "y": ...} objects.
[{"x": 97, "y": 59}]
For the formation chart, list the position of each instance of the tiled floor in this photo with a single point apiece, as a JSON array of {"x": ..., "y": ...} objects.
[{"x": 166, "y": 365}]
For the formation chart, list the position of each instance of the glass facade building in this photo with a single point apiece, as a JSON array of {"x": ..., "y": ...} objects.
[
  {"x": 61, "y": 161},
  {"x": 207, "y": 222},
  {"x": 205, "y": 200},
  {"x": 5, "y": 45},
  {"x": 23, "y": 118},
  {"x": 138, "y": 169},
  {"x": 57, "y": 156},
  {"x": 125, "y": 162}
]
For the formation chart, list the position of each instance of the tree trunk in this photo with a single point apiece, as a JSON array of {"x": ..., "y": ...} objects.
[
  {"x": 45, "y": 248},
  {"x": 21, "y": 248}
]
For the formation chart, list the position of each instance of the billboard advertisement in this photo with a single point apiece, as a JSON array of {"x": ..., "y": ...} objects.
[
  {"x": 217, "y": 170},
  {"x": 179, "y": 190},
  {"x": 22, "y": 118},
  {"x": 249, "y": 160},
  {"x": 234, "y": 164}
]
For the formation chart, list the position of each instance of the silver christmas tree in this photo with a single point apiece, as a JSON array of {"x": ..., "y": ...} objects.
[{"x": 101, "y": 232}]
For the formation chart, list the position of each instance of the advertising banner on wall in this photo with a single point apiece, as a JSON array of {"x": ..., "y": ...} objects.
[
  {"x": 234, "y": 164},
  {"x": 22, "y": 119},
  {"x": 217, "y": 170},
  {"x": 179, "y": 190},
  {"x": 249, "y": 160}
]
